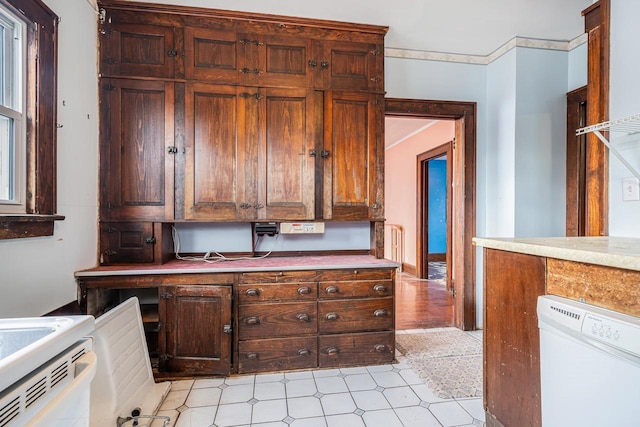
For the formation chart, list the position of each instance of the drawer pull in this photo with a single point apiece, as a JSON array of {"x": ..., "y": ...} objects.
[
  {"x": 252, "y": 292},
  {"x": 253, "y": 320},
  {"x": 380, "y": 313},
  {"x": 380, "y": 348},
  {"x": 303, "y": 317},
  {"x": 380, "y": 288},
  {"x": 304, "y": 290},
  {"x": 332, "y": 350},
  {"x": 331, "y": 289},
  {"x": 332, "y": 316},
  {"x": 304, "y": 352},
  {"x": 253, "y": 356}
]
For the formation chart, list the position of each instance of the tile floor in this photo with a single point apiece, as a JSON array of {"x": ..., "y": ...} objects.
[{"x": 386, "y": 396}]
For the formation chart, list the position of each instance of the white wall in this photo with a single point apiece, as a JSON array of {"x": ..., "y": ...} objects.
[
  {"x": 624, "y": 217},
  {"x": 37, "y": 273},
  {"x": 577, "y": 73}
]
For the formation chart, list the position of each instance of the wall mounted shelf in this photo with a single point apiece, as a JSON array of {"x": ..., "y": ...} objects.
[{"x": 629, "y": 125}]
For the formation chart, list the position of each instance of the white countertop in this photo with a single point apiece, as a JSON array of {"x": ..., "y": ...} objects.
[{"x": 620, "y": 252}]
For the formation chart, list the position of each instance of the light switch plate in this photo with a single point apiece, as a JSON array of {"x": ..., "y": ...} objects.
[{"x": 630, "y": 189}]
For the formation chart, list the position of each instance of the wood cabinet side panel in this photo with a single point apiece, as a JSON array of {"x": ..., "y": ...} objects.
[
  {"x": 607, "y": 287},
  {"x": 513, "y": 283}
]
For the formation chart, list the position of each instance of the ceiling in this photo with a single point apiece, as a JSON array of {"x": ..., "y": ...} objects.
[
  {"x": 473, "y": 27},
  {"x": 398, "y": 129}
]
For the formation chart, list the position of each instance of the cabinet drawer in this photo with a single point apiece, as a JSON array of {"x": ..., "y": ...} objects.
[
  {"x": 277, "y": 354},
  {"x": 356, "y": 289},
  {"x": 267, "y": 292},
  {"x": 356, "y": 274},
  {"x": 276, "y": 320},
  {"x": 356, "y": 349},
  {"x": 278, "y": 277},
  {"x": 355, "y": 315}
]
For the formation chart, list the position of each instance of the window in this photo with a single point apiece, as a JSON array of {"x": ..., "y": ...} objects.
[
  {"x": 12, "y": 124},
  {"x": 28, "y": 76}
]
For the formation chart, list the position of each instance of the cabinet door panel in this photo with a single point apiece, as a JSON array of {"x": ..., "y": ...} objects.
[
  {"x": 195, "y": 320},
  {"x": 284, "y": 61},
  {"x": 139, "y": 50},
  {"x": 136, "y": 169},
  {"x": 351, "y": 178},
  {"x": 211, "y": 55},
  {"x": 220, "y": 162},
  {"x": 126, "y": 242},
  {"x": 277, "y": 320},
  {"x": 353, "y": 66},
  {"x": 287, "y": 188},
  {"x": 355, "y": 315}
]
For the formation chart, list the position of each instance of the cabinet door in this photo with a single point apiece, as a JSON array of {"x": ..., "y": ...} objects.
[
  {"x": 352, "y": 170},
  {"x": 197, "y": 325},
  {"x": 281, "y": 60},
  {"x": 211, "y": 55},
  {"x": 352, "y": 66},
  {"x": 126, "y": 242},
  {"x": 144, "y": 50},
  {"x": 136, "y": 168},
  {"x": 221, "y": 152},
  {"x": 287, "y": 169}
]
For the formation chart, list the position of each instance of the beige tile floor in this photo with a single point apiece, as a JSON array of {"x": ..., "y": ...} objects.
[{"x": 385, "y": 396}]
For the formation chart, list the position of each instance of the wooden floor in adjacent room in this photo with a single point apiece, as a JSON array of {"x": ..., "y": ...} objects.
[{"x": 422, "y": 303}]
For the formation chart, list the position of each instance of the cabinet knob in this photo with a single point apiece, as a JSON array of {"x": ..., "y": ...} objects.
[
  {"x": 304, "y": 290},
  {"x": 380, "y": 288},
  {"x": 252, "y": 292},
  {"x": 332, "y": 351},
  {"x": 331, "y": 289},
  {"x": 380, "y": 348},
  {"x": 324, "y": 65},
  {"x": 304, "y": 352},
  {"x": 324, "y": 154},
  {"x": 245, "y": 206},
  {"x": 313, "y": 63},
  {"x": 303, "y": 317},
  {"x": 332, "y": 316},
  {"x": 380, "y": 313},
  {"x": 253, "y": 356},
  {"x": 252, "y": 320}
]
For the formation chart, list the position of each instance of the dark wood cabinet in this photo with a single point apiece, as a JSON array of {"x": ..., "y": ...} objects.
[
  {"x": 137, "y": 164},
  {"x": 197, "y": 325},
  {"x": 187, "y": 318},
  {"x": 352, "y": 66},
  {"x": 135, "y": 242},
  {"x": 353, "y": 180}
]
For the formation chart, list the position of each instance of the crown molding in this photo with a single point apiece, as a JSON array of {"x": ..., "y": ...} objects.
[{"x": 525, "y": 42}]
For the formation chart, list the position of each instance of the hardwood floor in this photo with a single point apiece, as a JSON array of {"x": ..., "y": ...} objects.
[{"x": 422, "y": 303}]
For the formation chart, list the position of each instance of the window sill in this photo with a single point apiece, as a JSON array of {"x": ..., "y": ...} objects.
[{"x": 24, "y": 225}]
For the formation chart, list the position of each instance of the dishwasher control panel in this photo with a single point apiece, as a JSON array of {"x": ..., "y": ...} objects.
[{"x": 620, "y": 334}]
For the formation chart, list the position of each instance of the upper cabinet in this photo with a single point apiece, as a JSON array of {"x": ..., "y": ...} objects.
[{"x": 213, "y": 115}]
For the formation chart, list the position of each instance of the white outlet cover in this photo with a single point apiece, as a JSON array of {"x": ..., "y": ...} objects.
[{"x": 630, "y": 189}]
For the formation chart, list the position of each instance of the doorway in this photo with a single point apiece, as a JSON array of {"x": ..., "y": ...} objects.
[
  {"x": 433, "y": 243},
  {"x": 463, "y": 161}
]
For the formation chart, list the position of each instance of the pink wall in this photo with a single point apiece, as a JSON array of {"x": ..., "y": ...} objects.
[{"x": 400, "y": 182}]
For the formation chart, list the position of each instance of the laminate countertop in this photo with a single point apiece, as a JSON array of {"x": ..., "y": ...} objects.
[
  {"x": 619, "y": 252},
  {"x": 295, "y": 263}
]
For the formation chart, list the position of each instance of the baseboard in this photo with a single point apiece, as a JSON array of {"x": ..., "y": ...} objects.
[
  {"x": 408, "y": 268},
  {"x": 437, "y": 257}
]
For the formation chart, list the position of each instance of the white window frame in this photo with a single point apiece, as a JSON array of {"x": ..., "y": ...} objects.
[{"x": 13, "y": 107}]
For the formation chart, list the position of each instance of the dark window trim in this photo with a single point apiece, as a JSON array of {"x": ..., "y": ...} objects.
[{"x": 42, "y": 84}]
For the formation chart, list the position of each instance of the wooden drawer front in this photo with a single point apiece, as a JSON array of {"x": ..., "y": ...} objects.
[
  {"x": 356, "y": 349},
  {"x": 277, "y": 354},
  {"x": 356, "y": 289},
  {"x": 278, "y": 277},
  {"x": 267, "y": 292},
  {"x": 355, "y": 315},
  {"x": 356, "y": 274},
  {"x": 276, "y": 320}
]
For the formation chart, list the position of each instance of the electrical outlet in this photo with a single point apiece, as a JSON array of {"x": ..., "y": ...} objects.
[
  {"x": 630, "y": 189},
  {"x": 302, "y": 228}
]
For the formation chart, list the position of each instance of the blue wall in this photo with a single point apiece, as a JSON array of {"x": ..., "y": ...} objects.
[{"x": 437, "y": 221}]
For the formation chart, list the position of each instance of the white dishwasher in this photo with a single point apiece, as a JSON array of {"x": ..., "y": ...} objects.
[{"x": 589, "y": 365}]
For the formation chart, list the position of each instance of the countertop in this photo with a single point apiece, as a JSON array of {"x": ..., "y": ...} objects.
[
  {"x": 243, "y": 265},
  {"x": 619, "y": 252}
]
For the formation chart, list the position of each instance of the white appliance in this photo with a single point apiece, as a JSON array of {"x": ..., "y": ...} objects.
[
  {"x": 589, "y": 365},
  {"x": 46, "y": 366}
]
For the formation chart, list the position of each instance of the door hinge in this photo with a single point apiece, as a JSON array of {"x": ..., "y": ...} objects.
[
  {"x": 109, "y": 87},
  {"x": 172, "y": 149},
  {"x": 166, "y": 295},
  {"x": 166, "y": 357},
  {"x": 110, "y": 252},
  {"x": 150, "y": 240},
  {"x": 453, "y": 145},
  {"x": 227, "y": 329},
  {"x": 110, "y": 61},
  {"x": 102, "y": 16},
  {"x": 110, "y": 229}
]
